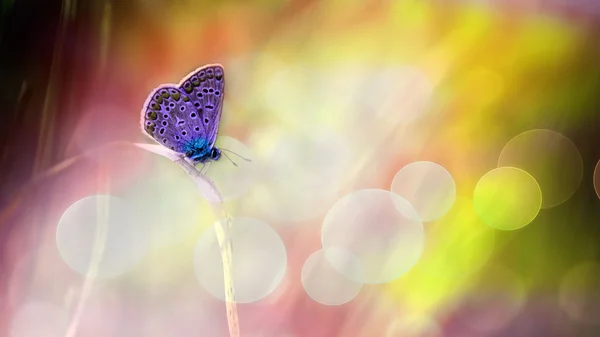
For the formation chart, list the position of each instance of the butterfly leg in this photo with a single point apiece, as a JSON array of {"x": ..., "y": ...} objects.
[{"x": 207, "y": 166}]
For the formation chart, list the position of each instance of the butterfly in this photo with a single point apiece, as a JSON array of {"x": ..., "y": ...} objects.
[{"x": 185, "y": 117}]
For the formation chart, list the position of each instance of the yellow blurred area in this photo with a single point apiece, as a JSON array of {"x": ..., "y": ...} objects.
[
  {"x": 457, "y": 246},
  {"x": 507, "y": 198}
]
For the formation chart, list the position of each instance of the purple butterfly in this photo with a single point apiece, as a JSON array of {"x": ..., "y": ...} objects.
[{"x": 185, "y": 117}]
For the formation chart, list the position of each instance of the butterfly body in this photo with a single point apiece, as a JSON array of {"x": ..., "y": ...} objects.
[
  {"x": 185, "y": 117},
  {"x": 200, "y": 151}
]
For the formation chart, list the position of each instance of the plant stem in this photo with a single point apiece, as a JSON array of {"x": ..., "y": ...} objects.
[{"x": 223, "y": 229}]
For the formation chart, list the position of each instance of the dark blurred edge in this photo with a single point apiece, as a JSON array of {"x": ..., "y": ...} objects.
[{"x": 45, "y": 47}]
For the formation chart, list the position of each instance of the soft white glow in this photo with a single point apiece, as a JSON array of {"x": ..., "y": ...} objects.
[
  {"x": 259, "y": 260},
  {"x": 303, "y": 174},
  {"x": 232, "y": 181},
  {"x": 39, "y": 319},
  {"x": 99, "y": 236},
  {"x": 379, "y": 228},
  {"x": 428, "y": 186},
  {"x": 323, "y": 283}
]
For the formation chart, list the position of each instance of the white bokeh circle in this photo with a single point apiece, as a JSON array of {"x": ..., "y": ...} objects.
[
  {"x": 100, "y": 236},
  {"x": 428, "y": 186},
  {"x": 381, "y": 229},
  {"x": 169, "y": 204},
  {"x": 232, "y": 181},
  {"x": 326, "y": 285},
  {"x": 259, "y": 260}
]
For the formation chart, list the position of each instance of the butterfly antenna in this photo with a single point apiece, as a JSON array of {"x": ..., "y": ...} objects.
[
  {"x": 234, "y": 164},
  {"x": 237, "y": 154}
]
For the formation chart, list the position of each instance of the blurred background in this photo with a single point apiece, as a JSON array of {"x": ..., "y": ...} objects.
[{"x": 419, "y": 168}]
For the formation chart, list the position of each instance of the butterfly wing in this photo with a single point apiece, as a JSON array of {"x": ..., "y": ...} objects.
[
  {"x": 170, "y": 118},
  {"x": 205, "y": 88}
]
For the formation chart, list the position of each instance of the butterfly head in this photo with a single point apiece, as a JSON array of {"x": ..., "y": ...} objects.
[
  {"x": 215, "y": 154},
  {"x": 201, "y": 151}
]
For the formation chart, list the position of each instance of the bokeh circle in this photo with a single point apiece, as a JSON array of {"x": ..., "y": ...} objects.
[
  {"x": 597, "y": 179},
  {"x": 551, "y": 158},
  {"x": 428, "y": 186},
  {"x": 259, "y": 260},
  {"x": 381, "y": 229},
  {"x": 507, "y": 198},
  {"x": 100, "y": 236},
  {"x": 326, "y": 285},
  {"x": 579, "y": 294}
]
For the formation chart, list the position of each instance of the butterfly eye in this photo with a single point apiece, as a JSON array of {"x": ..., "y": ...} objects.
[
  {"x": 164, "y": 93},
  {"x": 154, "y": 106},
  {"x": 202, "y": 76},
  {"x": 152, "y": 115},
  {"x": 195, "y": 80},
  {"x": 210, "y": 73},
  {"x": 158, "y": 98},
  {"x": 219, "y": 74}
]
